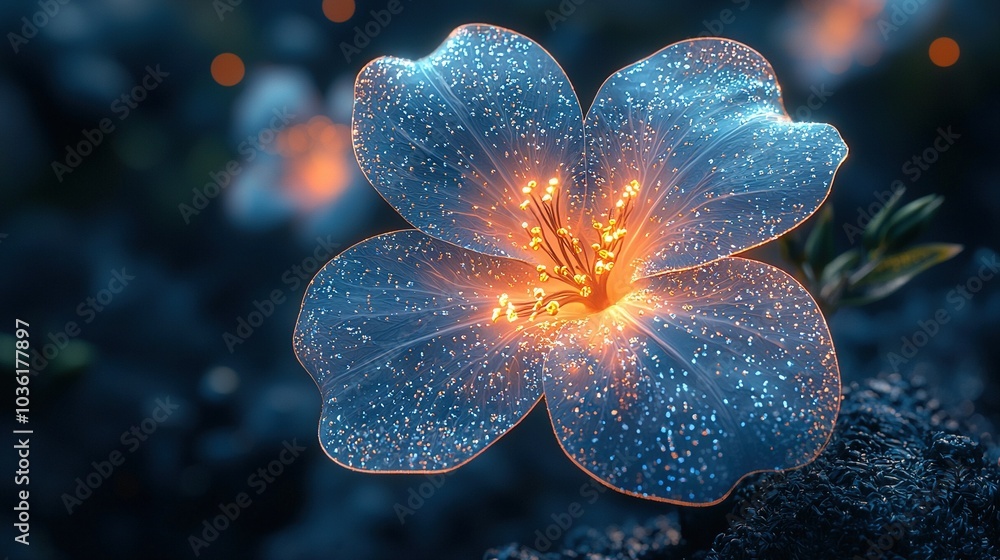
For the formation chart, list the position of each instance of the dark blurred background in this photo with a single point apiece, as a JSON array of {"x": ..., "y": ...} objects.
[{"x": 175, "y": 171}]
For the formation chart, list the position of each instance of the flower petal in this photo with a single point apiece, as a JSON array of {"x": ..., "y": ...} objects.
[
  {"x": 397, "y": 333},
  {"x": 695, "y": 380},
  {"x": 450, "y": 140},
  {"x": 701, "y": 126}
]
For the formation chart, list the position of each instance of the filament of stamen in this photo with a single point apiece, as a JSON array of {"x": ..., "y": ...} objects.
[{"x": 585, "y": 282}]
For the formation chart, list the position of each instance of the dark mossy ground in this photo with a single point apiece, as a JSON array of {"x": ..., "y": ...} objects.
[{"x": 899, "y": 479}]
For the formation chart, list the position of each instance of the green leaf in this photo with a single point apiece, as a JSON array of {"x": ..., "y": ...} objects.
[
  {"x": 910, "y": 221},
  {"x": 835, "y": 277},
  {"x": 886, "y": 275},
  {"x": 841, "y": 265},
  {"x": 875, "y": 231},
  {"x": 820, "y": 249}
]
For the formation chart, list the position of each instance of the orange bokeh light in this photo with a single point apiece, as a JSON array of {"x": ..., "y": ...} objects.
[
  {"x": 227, "y": 69},
  {"x": 338, "y": 11},
  {"x": 318, "y": 158},
  {"x": 944, "y": 51},
  {"x": 835, "y": 33}
]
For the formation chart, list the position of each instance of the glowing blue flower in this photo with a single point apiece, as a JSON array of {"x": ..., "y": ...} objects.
[{"x": 586, "y": 259}]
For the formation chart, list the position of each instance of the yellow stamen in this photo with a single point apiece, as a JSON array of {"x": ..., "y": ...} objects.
[{"x": 586, "y": 275}]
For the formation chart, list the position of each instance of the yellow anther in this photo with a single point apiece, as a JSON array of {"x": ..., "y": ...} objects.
[{"x": 556, "y": 238}]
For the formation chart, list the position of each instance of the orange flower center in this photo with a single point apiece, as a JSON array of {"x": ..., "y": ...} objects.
[{"x": 578, "y": 273}]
